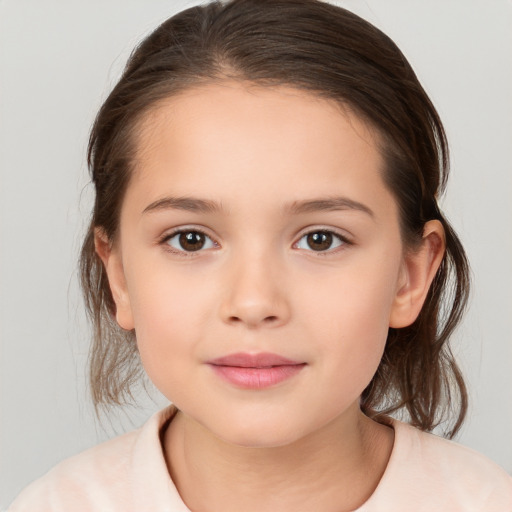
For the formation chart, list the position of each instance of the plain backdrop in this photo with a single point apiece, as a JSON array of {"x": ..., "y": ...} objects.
[{"x": 58, "y": 61}]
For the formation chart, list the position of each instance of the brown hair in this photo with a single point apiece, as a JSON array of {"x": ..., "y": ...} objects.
[{"x": 331, "y": 52}]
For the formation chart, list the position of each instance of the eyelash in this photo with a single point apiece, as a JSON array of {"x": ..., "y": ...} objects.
[
  {"x": 343, "y": 241},
  {"x": 164, "y": 241},
  {"x": 186, "y": 254}
]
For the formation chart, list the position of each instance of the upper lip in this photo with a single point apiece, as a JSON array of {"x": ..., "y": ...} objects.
[{"x": 261, "y": 360}]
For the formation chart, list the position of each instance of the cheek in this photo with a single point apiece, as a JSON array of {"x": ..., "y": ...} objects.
[
  {"x": 358, "y": 295},
  {"x": 168, "y": 310},
  {"x": 351, "y": 319},
  {"x": 165, "y": 297},
  {"x": 351, "y": 353}
]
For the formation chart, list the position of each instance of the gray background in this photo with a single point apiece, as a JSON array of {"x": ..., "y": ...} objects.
[{"x": 59, "y": 59}]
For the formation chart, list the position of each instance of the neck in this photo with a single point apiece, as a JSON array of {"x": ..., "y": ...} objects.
[{"x": 334, "y": 469}]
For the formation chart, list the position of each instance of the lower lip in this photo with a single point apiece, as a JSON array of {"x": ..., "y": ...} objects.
[{"x": 257, "y": 378}]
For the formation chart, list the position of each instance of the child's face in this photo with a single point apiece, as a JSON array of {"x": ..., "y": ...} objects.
[{"x": 261, "y": 169}]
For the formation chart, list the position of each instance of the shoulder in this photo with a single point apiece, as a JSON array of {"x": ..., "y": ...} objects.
[
  {"x": 79, "y": 478},
  {"x": 443, "y": 475},
  {"x": 102, "y": 477}
]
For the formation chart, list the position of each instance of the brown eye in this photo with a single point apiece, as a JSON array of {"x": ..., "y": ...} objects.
[
  {"x": 320, "y": 241},
  {"x": 190, "y": 241}
]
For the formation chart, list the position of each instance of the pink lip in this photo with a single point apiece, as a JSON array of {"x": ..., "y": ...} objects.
[{"x": 255, "y": 371}]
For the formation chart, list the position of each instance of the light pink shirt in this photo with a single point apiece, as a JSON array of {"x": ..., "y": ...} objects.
[{"x": 129, "y": 474}]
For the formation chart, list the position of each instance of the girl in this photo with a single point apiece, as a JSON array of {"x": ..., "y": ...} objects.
[{"x": 266, "y": 241}]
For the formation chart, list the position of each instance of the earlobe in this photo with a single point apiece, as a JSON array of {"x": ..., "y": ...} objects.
[
  {"x": 418, "y": 271},
  {"x": 112, "y": 261}
]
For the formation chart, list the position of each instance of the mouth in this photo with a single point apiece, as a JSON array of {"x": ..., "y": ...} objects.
[{"x": 255, "y": 371}]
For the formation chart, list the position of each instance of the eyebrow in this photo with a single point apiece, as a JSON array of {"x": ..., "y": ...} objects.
[
  {"x": 328, "y": 204},
  {"x": 193, "y": 204},
  {"x": 190, "y": 204}
]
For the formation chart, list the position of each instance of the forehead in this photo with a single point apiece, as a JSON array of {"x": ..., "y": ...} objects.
[
  {"x": 229, "y": 139},
  {"x": 214, "y": 106}
]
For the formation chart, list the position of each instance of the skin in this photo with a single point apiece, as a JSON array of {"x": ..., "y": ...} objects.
[{"x": 257, "y": 286}]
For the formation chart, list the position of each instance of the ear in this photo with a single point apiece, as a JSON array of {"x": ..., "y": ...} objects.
[
  {"x": 110, "y": 255},
  {"x": 418, "y": 270}
]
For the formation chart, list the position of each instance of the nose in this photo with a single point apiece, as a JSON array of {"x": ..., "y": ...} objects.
[{"x": 255, "y": 293}]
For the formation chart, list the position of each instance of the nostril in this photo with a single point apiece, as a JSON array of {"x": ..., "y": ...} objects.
[{"x": 267, "y": 319}]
